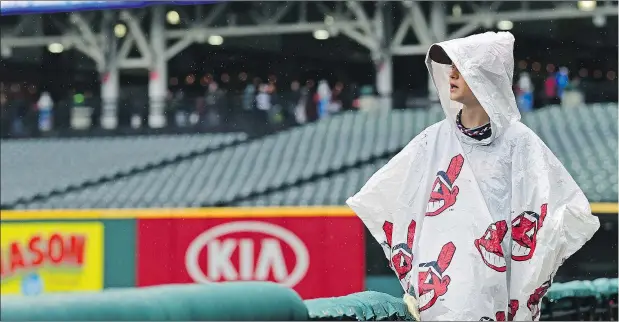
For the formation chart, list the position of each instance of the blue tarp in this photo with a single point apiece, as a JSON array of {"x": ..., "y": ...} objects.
[{"x": 19, "y": 7}]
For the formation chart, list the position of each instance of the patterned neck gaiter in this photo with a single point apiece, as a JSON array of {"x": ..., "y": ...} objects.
[{"x": 479, "y": 133}]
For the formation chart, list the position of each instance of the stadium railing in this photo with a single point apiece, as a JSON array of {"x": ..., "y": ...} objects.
[{"x": 261, "y": 301}]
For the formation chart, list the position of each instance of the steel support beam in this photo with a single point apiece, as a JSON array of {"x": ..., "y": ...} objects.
[
  {"x": 410, "y": 50},
  {"x": 402, "y": 31},
  {"x": 125, "y": 48},
  {"x": 281, "y": 12},
  {"x": 439, "y": 31},
  {"x": 39, "y": 41},
  {"x": 134, "y": 63},
  {"x": 24, "y": 22},
  {"x": 86, "y": 32},
  {"x": 361, "y": 17},
  {"x": 236, "y": 31},
  {"x": 109, "y": 73},
  {"x": 488, "y": 16},
  {"x": 419, "y": 23},
  {"x": 88, "y": 50},
  {"x": 538, "y": 14},
  {"x": 438, "y": 22},
  {"x": 138, "y": 34},
  {"x": 368, "y": 42},
  {"x": 189, "y": 37},
  {"x": 465, "y": 30},
  {"x": 158, "y": 74},
  {"x": 275, "y": 29},
  {"x": 179, "y": 46},
  {"x": 359, "y": 28},
  {"x": 416, "y": 21}
]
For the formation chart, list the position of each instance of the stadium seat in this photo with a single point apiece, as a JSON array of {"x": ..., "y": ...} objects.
[
  {"x": 31, "y": 167},
  {"x": 567, "y": 133},
  {"x": 325, "y": 162}
]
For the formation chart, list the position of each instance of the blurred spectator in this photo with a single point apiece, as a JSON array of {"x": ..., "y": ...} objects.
[
  {"x": 249, "y": 96},
  {"x": 45, "y": 106},
  {"x": 525, "y": 93},
  {"x": 275, "y": 112},
  {"x": 572, "y": 95},
  {"x": 336, "y": 98},
  {"x": 181, "y": 109},
  {"x": 300, "y": 112},
  {"x": 20, "y": 112},
  {"x": 323, "y": 98},
  {"x": 263, "y": 101},
  {"x": 550, "y": 89},
  {"x": 292, "y": 100},
  {"x": 213, "y": 106},
  {"x": 311, "y": 111},
  {"x": 562, "y": 80}
]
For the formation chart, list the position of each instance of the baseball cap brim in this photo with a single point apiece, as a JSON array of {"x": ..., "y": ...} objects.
[{"x": 438, "y": 54}]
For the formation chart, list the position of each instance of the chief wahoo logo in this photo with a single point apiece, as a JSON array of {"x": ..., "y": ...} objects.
[{"x": 444, "y": 192}]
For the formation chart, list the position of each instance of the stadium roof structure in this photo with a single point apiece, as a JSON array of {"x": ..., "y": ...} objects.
[
  {"x": 373, "y": 32},
  {"x": 399, "y": 28}
]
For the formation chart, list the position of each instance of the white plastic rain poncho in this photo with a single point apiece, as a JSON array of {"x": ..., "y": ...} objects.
[{"x": 476, "y": 230}]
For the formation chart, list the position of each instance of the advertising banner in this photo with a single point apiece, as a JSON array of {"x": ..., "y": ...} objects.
[
  {"x": 49, "y": 257},
  {"x": 316, "y": 256}
]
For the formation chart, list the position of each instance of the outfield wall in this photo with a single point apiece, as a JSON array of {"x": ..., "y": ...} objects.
[{"x": 317, "y": 251}]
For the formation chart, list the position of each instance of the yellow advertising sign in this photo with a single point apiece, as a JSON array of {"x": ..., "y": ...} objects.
[{"x": 50, "y": 257}]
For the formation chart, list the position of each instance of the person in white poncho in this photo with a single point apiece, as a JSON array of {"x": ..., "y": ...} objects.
[{"x": 475, "y": 214}]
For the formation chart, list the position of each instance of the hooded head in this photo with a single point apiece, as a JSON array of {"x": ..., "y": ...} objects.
[{"x": 486, "y": 63}]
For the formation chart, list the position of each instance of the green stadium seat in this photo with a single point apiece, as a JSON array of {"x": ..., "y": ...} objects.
[
  {"x": 584, "y": 139},
  {"x": 607, "y": 308},
  {"x": 575, "y": 300},
  {"x": 591, "y": 160},
  {"x": 56, "y": 164}
]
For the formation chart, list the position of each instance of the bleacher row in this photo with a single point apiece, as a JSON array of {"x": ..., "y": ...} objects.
[
  {"x": 321, "y": 163},
  {"x": 40, "y": 166},
  {"x": 581, "y": 301}
]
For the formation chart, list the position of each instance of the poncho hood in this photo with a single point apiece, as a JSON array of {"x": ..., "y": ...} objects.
[{"x": 486, "y": 62}]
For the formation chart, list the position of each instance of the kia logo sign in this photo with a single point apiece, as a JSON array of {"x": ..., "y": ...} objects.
[{"x": 269, "y": 258}]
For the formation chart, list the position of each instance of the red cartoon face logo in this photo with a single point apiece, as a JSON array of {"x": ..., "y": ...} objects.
[
  {"x": 401, "y": 254},
  {"x": 432, "y": 282},
  {"x": 536, "y": 298},
  {"x": 444, "y": 192},
  {"x": 500, "y": 315},
  {"x": 524, "y": 233},
  {"x": 489, "y": 246}
]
